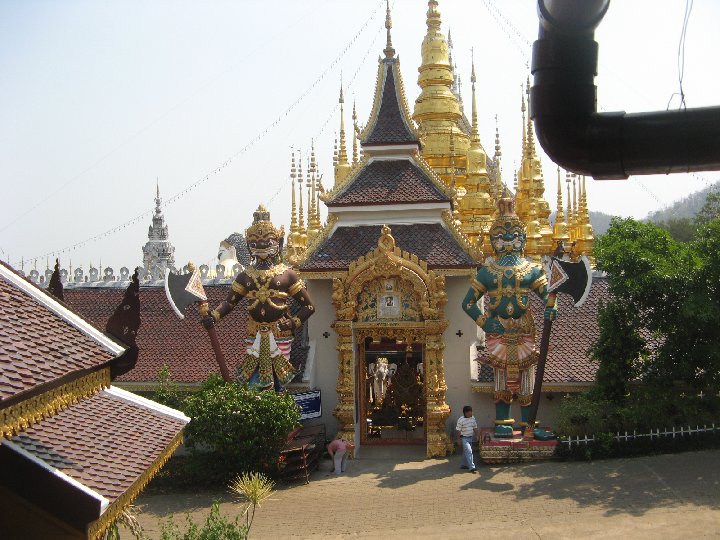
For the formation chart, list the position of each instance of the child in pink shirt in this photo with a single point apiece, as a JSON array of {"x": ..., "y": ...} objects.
[{"x": 338, "y": 453}]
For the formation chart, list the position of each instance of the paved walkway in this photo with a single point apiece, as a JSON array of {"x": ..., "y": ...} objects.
[{"x": 394, "y": 492}]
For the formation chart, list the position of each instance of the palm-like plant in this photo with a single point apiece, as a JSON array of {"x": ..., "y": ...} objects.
[{"x": 254, "y": 488}]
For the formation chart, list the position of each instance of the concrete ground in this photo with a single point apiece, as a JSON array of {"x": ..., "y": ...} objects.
[{"x": 394, "y": 492}]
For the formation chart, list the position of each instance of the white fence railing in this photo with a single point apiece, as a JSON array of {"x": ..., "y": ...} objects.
[{"x": 654, "y": 434}]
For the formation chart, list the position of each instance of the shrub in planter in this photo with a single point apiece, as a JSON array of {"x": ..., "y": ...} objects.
[{"x": 236, "y": 429}]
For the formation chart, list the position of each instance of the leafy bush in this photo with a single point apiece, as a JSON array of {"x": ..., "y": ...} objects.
[
  {"x": 644, "y": 408},
  {"x": 167, "y": 392},
  {"x": 215, "y": 528},
  {"x": 236, "y": 429}
]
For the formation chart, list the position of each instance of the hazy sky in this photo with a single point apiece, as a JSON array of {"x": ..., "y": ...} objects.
[{"x": 101, "y": 98}]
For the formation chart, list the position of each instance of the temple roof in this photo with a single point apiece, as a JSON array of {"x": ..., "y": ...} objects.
[
  {"x": 389, "y": 121},
  {"x": 182, "y": 344},
  {"x": 41, "y": 340},
  {"x": 431, "y": 242},
  {"x": 72, "y": 446},
  {"x": 105, "y": 442},
  {"x": 397, "y": 181}
]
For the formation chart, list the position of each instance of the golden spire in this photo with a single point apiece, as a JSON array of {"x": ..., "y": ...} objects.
[
  {"x": 293, "y": 213},
  {"x": 355, "y": 157},
  {"x": 568, "y": 180},
  {"x": 297, "y": 240},
  {"x": 475, "y": 137},
  {"x": 530, "y": 136},
  {"x": 560, "y": 229},
  {"x": 497, "y": 159},
  {"x": 389, "y": 50},
  {"x": 437, "y": 108},
  {"x": 343, "y": 167},
  {"x": 310, "y": 200},
  {"x": 560, "y": 216},
  {"x": 575, "y": 206},
  {"x": 524, "y": 132},
  {"x": 585, "y": 235},
  {"x": 301, "y": 217},
  {"x": 477, "y": 206},
  {"x": 335, "y": 153}
]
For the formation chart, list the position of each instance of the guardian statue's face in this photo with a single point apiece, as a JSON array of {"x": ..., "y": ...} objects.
[
  {"x": 508, "y": 238},
  {"x": 264, "y": 248}
]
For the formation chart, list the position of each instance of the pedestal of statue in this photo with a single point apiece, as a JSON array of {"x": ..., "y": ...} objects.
[{"x": 513, "y": 449}]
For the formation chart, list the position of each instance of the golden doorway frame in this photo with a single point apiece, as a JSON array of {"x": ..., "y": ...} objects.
[{"x": 385, "y": 262}]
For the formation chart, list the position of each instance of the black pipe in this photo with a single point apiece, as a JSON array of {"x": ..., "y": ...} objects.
[{"x": 563, "y": 104}]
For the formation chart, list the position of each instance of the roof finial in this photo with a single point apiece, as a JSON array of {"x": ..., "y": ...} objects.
[
  {"x": 560, "y": 216},
  {"x": 497, "y": 158},
  {"x": 301, "y": 214},
  {"x": 530, "y": 137},
  {"x": 293, "y": 212},
  {"x": 342, "y": 151},
  {"x": 355, "y": 134},
  {"x": 433, "y": 16},
  {"x": 473, "y": 79},
  {"x": 389, "y": 50}
]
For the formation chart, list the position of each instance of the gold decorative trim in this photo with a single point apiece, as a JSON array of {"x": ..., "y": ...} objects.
[
  {"x": 489, "y": 388},
  {"x": 19, "y": 417},
  {"x": 434, "y": 176},
  {"x": 455, "y": 272},
  {"x": 403, "y": 99},
  {"x": 475, "y": 252},
  {"x": 320, "y": 238},
  {"x": 340, "y": 186},
  {"x": 296, "y": 287},
  {"x": 377, "y": 99},
  {"x": 389, "y": 261},
  {"x": 310, "y": 275},
  {"x": 97, "y": 528}
]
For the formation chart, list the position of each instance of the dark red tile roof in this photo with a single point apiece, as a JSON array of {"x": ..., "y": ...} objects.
[
  {"x": 105, "y": 442},
  {"x": 39, "y": 345},
  {"x": 573, "y": 333},
  {"x": 182, "y": 344},
  {"x": 163, "y": 338},
  {"x": 390, "y": 126},
  {"x": 431, "y": 242},
  {"x": 397, "y": 181}
]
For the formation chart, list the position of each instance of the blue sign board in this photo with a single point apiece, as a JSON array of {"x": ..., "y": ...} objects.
[{"x": 309, "y": 403}]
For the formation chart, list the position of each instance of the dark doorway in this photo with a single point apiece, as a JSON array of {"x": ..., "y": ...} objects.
[{"x": 392, "y": 393}]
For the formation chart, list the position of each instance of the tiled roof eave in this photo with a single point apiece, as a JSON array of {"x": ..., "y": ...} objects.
[{"x": 388, "y": 203}]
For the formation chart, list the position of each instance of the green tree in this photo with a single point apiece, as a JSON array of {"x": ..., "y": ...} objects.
[
  {"x": 681, "y": 229},
  {"x": 671, "y": 288},
  {"x": 710, "y": 210},
  {"x": 619, "y": 349}
]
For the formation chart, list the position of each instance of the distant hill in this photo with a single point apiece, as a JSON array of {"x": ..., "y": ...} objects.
[{"x": 684, "y": 208}]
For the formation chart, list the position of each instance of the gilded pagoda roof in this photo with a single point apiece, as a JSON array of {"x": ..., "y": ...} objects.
[
  {"x": 431, "y": 242},
  {"x": 396, "y": 181}
]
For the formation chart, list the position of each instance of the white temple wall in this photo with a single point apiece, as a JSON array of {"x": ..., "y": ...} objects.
[
  {"x": 325, "y": 374},
  {"x": 458, "y": 362}
]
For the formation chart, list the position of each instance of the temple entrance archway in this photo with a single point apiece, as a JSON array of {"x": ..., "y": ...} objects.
[{"x": 390, "y": 306}]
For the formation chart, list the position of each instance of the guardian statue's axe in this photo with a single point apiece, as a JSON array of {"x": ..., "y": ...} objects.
[
  {"x": 575, "y": 279},
  {"x": 185, "y": 289}
]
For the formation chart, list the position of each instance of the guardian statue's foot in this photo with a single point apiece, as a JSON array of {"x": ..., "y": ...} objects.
[
  {"x": 541, "y": 435},
  {"x": 503, "y": 431}
]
